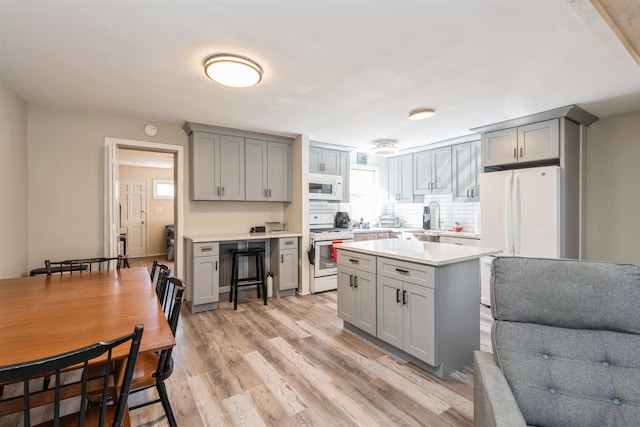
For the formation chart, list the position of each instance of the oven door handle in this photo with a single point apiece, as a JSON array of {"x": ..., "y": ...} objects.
[{"x": 311, "y": 253}]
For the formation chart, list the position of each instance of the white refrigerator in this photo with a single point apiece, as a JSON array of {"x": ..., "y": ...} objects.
[{"x": 520, "y": 213}]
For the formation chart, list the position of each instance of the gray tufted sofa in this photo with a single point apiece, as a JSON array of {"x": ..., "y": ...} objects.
[{"x": 566, "y": 343}]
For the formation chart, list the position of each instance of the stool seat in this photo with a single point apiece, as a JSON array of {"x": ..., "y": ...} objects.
[{"x": 257, "y": 256}]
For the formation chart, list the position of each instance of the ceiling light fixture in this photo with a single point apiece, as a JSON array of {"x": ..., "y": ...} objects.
[
  {"x": 232, "y": 70},
  {"x": 421, "y": 113},
  {"x": 384, "y": 147}
]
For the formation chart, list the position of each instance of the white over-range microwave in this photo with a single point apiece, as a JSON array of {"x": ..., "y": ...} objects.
[{"x": 325, "y": 187}]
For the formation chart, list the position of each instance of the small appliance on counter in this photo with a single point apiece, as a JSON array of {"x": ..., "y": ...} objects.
[
  {"x": 426, "y": 218},
  {"x": 274, "y": 227},
  {"x": 342, "y": 220}
]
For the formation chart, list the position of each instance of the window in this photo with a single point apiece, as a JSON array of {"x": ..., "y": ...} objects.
[
  {"x": 363, "y": 193},
  {"x": 162, "y": 189}
]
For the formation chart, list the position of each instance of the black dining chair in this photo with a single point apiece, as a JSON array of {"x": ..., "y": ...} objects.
[
  {"x": 153, "y": 369},
  {"x": 102, "y": 415},
  {"x": 161, "y": 284},
  {"x": 83, "y": 264}
]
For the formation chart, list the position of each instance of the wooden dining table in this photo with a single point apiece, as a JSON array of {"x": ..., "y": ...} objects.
[{"x": 45, "y": 315}]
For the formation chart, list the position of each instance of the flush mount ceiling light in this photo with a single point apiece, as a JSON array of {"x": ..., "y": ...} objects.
[
  {"x": 232, "y": 70},
  {"x": 384, "y": 146},
  {"x": 421, "y": 113}
]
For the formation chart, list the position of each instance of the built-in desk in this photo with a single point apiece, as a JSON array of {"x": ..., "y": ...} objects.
[{"x": 208, "y": 264}]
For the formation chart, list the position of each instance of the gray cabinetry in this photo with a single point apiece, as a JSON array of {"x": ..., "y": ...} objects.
[
  {"x": 400, "y": 178},
  {"x": 357, "y": 290},
  {"x": 534, "y": 142},
  {"x": 406, "y": 307},
  {"x": 432, "y": 171},
  {"x": 284, "y": 265},
  {"x": 323, "y": 160},
  {"x": 345, "y": 165},
  {"x": 465, "y": 171},
  {"x": 202, "y": 275},
  {"x": 268, "y": 166},
  {"x": 212, "y": 178}
]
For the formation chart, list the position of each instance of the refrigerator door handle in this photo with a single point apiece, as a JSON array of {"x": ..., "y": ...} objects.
[
  {"x": 508, "y": 202},
  {"x": 517, "y": 238}
]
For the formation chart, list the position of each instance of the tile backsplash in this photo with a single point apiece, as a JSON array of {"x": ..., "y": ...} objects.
[{"x": 451, "y": 211}]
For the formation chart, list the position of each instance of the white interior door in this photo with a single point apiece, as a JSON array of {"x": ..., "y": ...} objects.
[{"x": 133, "y": 202}]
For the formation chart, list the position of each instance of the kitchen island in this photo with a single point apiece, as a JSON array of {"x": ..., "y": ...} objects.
[{"x": 419, "y": 300}]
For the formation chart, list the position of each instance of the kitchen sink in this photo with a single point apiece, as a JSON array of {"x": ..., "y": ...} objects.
[{"x": 427, "y": 236}]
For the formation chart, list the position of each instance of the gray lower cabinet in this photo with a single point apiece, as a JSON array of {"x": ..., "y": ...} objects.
[
  {"x": 357, "y": 290},
  {"x": 202, "y": 276},
  {"x": 284, "y": 265},
  {"x": 406, "y": 308}
]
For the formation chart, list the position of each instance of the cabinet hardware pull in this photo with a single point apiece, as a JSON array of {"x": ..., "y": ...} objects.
[
  {"x": 281, "y": 259},
  {"x": 472, "y": 190},
  {"x": 515, "y": 155},
  {"x": 404, "y": 297},
  {"x": 398, "y": 295},
  {"x": 351, "y": 281},
  {"x": 217, "y": 191},
  {"x": 289, "y": 242},
  {"x": 216, "y": 265},
  {"x": 467, "y": 193},
  {"x": 521, "y": 151},
  {"x": 354, "y": 261},
  {"x": 402, "y": 271},
  {"x": 269, "y": 192},
  {"x": 223, "y": 191},
  {"x": 206, "y": 249},
  {"x": 355, "y": 282}
]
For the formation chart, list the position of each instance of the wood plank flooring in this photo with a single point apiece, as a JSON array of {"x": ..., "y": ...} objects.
[{"x": 291, "y": 363}]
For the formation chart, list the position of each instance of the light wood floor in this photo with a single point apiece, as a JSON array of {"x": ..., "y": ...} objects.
[{"x": 291, "y": 363}]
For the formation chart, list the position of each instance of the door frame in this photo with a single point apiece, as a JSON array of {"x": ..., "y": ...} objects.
[{"x": 111, "y": 230}]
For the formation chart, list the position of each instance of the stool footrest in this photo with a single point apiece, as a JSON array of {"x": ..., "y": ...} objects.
[{"x": 247, "y": 282}]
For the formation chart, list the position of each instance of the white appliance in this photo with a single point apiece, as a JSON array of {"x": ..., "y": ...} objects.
[
  {"x": 325, "y": 187},
  {"x": 323, "y": 272},
  {"x": 520, "y": 213}
]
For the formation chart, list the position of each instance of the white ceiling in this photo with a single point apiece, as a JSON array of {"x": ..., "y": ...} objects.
[{"x": 344, "y": 72}]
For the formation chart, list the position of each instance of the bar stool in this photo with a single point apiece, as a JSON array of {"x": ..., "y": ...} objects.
[{"x": 253, "y": 254}]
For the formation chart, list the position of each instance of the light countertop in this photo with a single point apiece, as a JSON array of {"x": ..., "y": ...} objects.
[
  {"x": 429, "y": 253},
  {"x": 222, "y": 237}
]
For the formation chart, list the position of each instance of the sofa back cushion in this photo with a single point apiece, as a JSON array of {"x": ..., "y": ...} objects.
[
  {"x": 566, "y": 338},
  {"x": 566, "y": 293}
]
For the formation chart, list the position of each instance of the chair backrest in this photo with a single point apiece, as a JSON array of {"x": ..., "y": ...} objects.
[
  {"x": 566, "y": 336},
  {"x": 153, "y": 270},
  {"x": 54, "y": 365},
  {"x": 174, "y": 294},
  {"x": 83, "y": 264},
  {"x": 161, "y": 283}
]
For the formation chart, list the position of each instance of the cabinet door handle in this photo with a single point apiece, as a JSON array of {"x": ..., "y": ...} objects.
[
  {"x": 206, "y": 249},
  {"x": 351, "y": 281},
  {"x": 216, "y": 265},
  {"x": 521, "y": 151},
  {"x": 222, "y": 191},
  {"x": 472, "y": 190},
  {"x": 467, "y": 193},
  {"x": 402, "y": 271},
  {"x": 269, "y": 192},
  {"x": 281, "y": 259},
  {"x": 404, "y": 297},
  {"x": 515, "y": 154},
  {"x": 354, "y": 261},
  {"x": 217, "y": 191},
  {"x": 398, "y": 295},
  {"x": 355, "y": 282}
]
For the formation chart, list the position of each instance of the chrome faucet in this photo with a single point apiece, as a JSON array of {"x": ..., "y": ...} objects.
[{"x": 431, "y": 210}]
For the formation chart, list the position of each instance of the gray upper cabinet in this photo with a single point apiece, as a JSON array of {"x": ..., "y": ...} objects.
[
  {"x": 432, "y": 171},
  {"x": 530, "y": 143},
  {"x": 400, "y": 178},
  {"x": 325, "y": 161},
  {"x": 268, "y": 166},
  {"x": 211, "y": 178},
  {"x": 465, "y": 170},
  {"x": 345, "y": 160}
]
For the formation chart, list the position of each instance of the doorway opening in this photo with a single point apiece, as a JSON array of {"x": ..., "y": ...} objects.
[{"x": 126, "y": 215}]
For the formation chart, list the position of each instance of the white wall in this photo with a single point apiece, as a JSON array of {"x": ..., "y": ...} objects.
[
  {"x": 611, "y": 218},
  {"x": 13, "y": 183}
]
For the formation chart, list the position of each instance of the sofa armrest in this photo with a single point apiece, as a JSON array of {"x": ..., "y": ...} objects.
[{"x": 494, "y": 404}]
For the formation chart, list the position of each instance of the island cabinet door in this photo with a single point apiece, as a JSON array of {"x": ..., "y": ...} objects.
[
  {"x": 390, "y": 311},
  {"x": 365, "y": 285},
  {"x": 419, "y": 322},
  {"x": 346, "y": 295}
]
